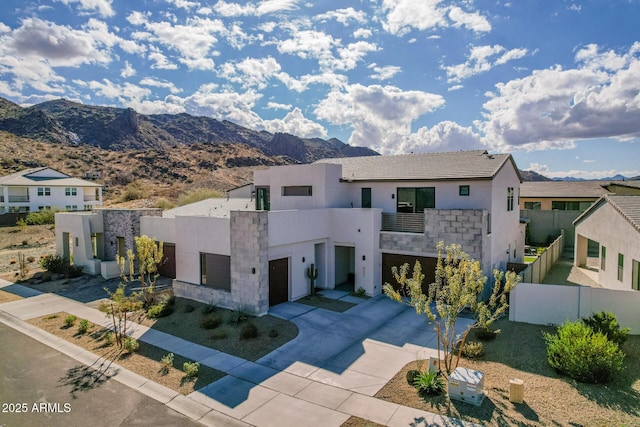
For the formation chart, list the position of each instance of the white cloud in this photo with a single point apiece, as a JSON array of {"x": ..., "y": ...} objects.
[
  {"x": 127, "y": 71},
  {"x": 160, "y": 61},
  {"x": 256, "y": 9},
  {"x": 251, "y": 72},
  {"x": 295, "y": 123},
  {"x": 208, "y": 100},
  {"x": 125, "y": 94},
  {"x": 343, "y": 16},
  {"x": 152, "y": 81},
  {"x": 481, "y": 59},
  {"x": 386, "y": 72},
  {"x": 278, "y": 106},
  {"x": 380, "y": 115},
  {"x": 302, "y": 83},
  {"x": 309, "y": 44},
  {"x": 184, "y": 4},
  {"x": 445, "y": 136},
  {"x": 473, "y": 21},
  {"x": 552, "y": 108},
  {"x": 103, "y": 7},
  {"x": 362, "y": 33}
]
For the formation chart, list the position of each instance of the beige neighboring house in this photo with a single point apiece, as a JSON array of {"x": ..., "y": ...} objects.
[
  {"x": 561, "y": 195},
  {"x": 33, "y": 190},
  {"x": 614, "y": 223}
]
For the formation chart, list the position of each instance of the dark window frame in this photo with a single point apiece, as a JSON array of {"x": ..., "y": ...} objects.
[
  {"x": 421, "y": 199},
  {"x": 297, "y": 191},
  {"x": 464, "y": 190},
  {"x": 211, "y": 259}
]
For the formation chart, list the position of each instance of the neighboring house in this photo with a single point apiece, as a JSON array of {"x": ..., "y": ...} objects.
[
  {"x": 614, "y": 223},
  {"x": 32, "y": 190},
  {"x": 353, "y": 218},
  {"x": 561, "y": 195}
]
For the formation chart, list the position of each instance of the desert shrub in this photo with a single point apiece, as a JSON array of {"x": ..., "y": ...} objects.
[
  {"x": 70, "y": 320},
  {"x": 582, "y": 354},
  {"x": 219, "y": 334},
  {"x": 429, "y": 383},
  {"x": 189, "y": 308},
  {"x": 164, "y": 204},
  {"x": 209, "y": 308},
  {"x": 57, "y": 264},
  {"x": 607, "y": 324},
  {"x": 131, "y": 344},
  {"x": 210, "y": 321},
  {"x": 273, "y": 333},
  {"x": 109, "y": 338},
  {"x": 31, "y": 259},
  {"x": 473, "y": 350},
  {"x": 83, "y": 326},
  {"x": 167, "y": 363},
  {"x": 159, "y": 310},
  {"x": 22, "y": 224},
  {"x": 25, "y": 242},
  {"x": 170, "y": 300},
  {"x": 239, "y": 315},
  {"x": 191, "y": 369},
  {"x": 47, "y": 216},
  {"x": 196, "y": 195},
  {"x": 249, "y": 331},
  {"x": 134, "y": 191}
]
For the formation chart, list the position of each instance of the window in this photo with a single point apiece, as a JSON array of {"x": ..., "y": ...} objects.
[
  {"x": 262, "y": 199},
  {"x": 70, "y": 191},
  {"x": 570, "y": 206},
  {"x": 635, "y": 276},
  {"x": 297, "y": 190},
  {"x": 120, "y": 250},
  {"x": 18, "y": 209},
  {"x": 463, "y": 190},
  {"x": 215, "y": 271},
  {"x": 44, "y": 191},
  {"x": 71, "y": 207},
  {"x": 603, "y": 257},
  {"x": 87, "y": 207},
  {"x": 509, "y": 198},
  {"x": 620, "y": 266},
  {"x": 366, "y": 197},
  {"x": 534, "y": 206},
  {"x": 488, "y": 223},
  {"x": 415, "y": 200}
]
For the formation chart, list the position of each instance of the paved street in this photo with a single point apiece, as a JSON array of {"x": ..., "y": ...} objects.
[{"x": 32, "y": 373}]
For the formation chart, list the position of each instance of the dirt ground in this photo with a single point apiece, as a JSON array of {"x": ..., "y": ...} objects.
[{"x": 34, "y": 242}]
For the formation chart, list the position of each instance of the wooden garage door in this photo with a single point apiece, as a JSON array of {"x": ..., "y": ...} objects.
[
  {"x": 428, "y": 265},
  {"x": 168, "y": 266},
  {"x": 278, "y": 281}
]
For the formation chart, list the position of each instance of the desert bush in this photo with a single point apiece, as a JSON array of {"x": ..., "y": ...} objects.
[
  {"x": 210, "y": 321},
  {"x": 429, "y": 383},
  {"x": 167, "y": 363},
  {"x": 47, "y": 216},
  {"x": 196, "y": 195},
  {"x": 70, "y": 320},
  {"x": 31, "y": 259},
  {"x": 209, "y": 308},
  {"x": 22, "y": 224},
  {"x": 57, "y": 264},
  {"x": 239, "y": 315},
  {"x": 191, "y": 369},
  {"x": 159, "y": 310},
  {"x": 131, "y": 344},
  {"x": 582, "y": 354},
  {"x": 473, "y": 350},
  {"x": 163, "y": 203},
  {"x": 273, "y": 333},
  {"x": 83, "y": 326},
  {"x": 249, "y": 331},
  {"x": 109, "y": 338},
  {"x": 219, "y": 334},
  {"x": 607, "y": 324},
  {"x": 134, "y": 191}
]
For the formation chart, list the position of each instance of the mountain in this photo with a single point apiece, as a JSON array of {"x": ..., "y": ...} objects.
[
  {"x": 533, "y": 176},
  {"x": 118, "y": 129}
]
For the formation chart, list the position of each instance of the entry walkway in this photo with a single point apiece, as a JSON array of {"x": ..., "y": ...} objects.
[{"x": 330, "y": 372}]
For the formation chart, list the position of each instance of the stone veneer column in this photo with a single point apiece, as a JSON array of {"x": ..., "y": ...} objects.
[
  {"x": 122, "y": 223},
  {"x": 249, "y": 251}
]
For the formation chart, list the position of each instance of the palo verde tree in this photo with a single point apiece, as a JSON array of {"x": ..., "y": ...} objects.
[
  {"x": 459, "y": 283},
  {"x": 150, "y": 256},
  {"x": 117, "y": 308}
]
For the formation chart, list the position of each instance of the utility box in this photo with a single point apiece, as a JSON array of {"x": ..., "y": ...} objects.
[
  {"x": 467, "y": 385},
  {"x": 516, "y": 390},
  {"x": 433, "y": 364}
]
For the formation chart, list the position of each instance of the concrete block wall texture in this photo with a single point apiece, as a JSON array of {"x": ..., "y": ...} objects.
[
  {"x": 122, "y": 223},
  {"x": 203, "y": 294},
  {"x": 250, "y": 261},
  {"x": 550, "y": 223}
]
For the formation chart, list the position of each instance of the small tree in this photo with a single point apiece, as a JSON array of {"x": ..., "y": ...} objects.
[
  {"x": 118, "y": 308},
  {"x": 459, "y": 283},
  {"x": 150, "y": 256}
]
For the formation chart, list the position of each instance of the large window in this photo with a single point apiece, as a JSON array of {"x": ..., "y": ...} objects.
[
  {"x": 297, "y": 190},
  {"x": 620, "y": 266},
  {"x": 603, "y": 258},
  {"x": 366, "y": 197},
  {"x": 262, "y": 199},
  {"x": 414, "y": 200},
  {"x": 534, "y": 206},
  {"x": 635, "y": 276},
  {"x": 215, "y": 271},
  {"x": 510, "y": 194}
]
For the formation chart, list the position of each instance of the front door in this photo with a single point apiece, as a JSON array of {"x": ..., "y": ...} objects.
[{"x": 278, "y": 281}]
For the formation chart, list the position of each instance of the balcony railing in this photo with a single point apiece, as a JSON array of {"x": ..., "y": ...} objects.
[
  {"x": 403, "y": 222},
  {"x": 90, "y": 198},
  {"x": 18, "y": 199}
]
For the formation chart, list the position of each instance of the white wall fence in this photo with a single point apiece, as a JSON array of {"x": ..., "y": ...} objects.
[
  {"x": 537, "y": 270},
  {"x": 542, "y": 304}
]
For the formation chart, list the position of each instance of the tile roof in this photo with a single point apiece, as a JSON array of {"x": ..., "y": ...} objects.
[
  {"x": 424, "y": 166},
  {"x": 565, "y": 189},
  {"x": 628, "y": 206},
  {"x": 22, "y": 178}
]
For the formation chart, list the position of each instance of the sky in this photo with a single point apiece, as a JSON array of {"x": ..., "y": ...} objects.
[{"x": 554, "y": 83}]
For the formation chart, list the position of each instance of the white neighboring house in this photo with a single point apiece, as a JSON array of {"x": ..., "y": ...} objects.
[
  {"x": 613, "y": 222},
  {"x": 32, "y": 190},
  {"x": 353, "y": 218}
]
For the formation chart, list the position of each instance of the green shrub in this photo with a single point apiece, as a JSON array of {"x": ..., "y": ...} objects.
[
  {"x": 134, "y": 191},
  {"x": 249, "y": 331},
  {"x": 210, "y": 321},
  {"x": 83, "y": 326},
  {"x": 131, "y": 344},
  {"x": 196, "y": 195},
  {"x": 473, "y": 350},
  {"x": 109, "y": 337},
  {"x": 429, "y": 383},
  {"x": 164, "y": 204},
  {"x": 607, "y": 324},
  {"x": 209, "y": 308},
  {"x": 273, "y": 333},
  {"x": 239, "y": 315},
  {"x": 22, "y": 224},
  {"x": 167, "y": 363},
  {"x": 584, "y": 355},
  {"x": 219, "y": 334},
  {"x": 191, "y": 369},
  {"x": 170, "y": 300},
  {"x": 159, "y": 310},
  {"x": 47, "y": 216},
  {"x": 70, "y": 320},
  {"x": 54, "y": 263}
]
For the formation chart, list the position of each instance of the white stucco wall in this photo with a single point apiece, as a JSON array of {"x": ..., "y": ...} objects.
[
  {"x": 78, "y": 226},
  {"x": 159, "y": 228},
  {"x": 505, "y": 225},
  {"x": 606, "y": 226}
]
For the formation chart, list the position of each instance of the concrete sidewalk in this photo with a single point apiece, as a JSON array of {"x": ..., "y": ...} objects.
[{"x": 321, "y": 378}]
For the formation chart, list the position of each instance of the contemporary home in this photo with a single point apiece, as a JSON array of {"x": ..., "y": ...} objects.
[
  {"x": 613, "y": 222},
  {"x": 36, "y": 189},
  {"x": 352, "y": 218}
]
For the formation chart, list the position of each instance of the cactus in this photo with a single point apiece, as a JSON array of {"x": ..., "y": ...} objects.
[{"x": 312, "y": 274}]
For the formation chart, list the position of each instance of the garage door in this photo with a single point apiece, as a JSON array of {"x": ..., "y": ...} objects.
[
  {"x": 278, "y": 281},
  {"x": 168, "y": 266},
  {"x": 428, "y": 265}
]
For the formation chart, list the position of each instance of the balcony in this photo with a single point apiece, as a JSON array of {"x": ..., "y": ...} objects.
[
  {"x": 403, "y": 222},
  {"x": 90, "y": 198},
  {"x": 18, "y": 199}
]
